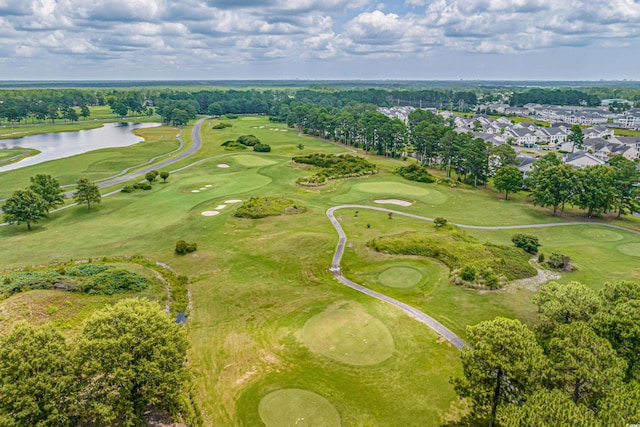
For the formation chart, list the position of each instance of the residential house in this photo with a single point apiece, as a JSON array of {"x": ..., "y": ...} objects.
[{"x": 581, "y": 160}]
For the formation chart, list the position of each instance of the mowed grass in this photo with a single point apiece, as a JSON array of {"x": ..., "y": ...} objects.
[
  {"x": 294, "y": 407},
  {"x": 97, "y": 164},
  {"x": 348, "y": 334},
  {"x": 255, "y": 284}
]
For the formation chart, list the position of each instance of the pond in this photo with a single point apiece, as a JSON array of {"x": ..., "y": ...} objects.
[{"x": 64, "y": 144}]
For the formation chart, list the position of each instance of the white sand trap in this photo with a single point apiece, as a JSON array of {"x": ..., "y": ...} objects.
[
  {"x": 232, "y": 201},
  {"x": 261, "y": 127},
  {"x": 210, "y": 213},
  {"x": 284, "y": 130},
  {"x": 223, "y": 165},
  {"x": 393, "y": 202},
  {"x": 219, "y": 207},
  {"x": 203, "y": 188},
  {"x": 209, "y": 185},
  {"x": 195, "y": 191}
]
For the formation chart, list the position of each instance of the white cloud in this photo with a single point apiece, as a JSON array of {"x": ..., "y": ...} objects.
[{"x": 205, "y": 33}]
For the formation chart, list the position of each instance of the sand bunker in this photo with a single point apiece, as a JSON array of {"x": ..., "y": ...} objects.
[
  {"x": 210, "y": 213},
  {"x": 203, "y": 188},
  {"x": 232, "y": 201},
  {"x": 223, "y": 165},
  {"x": 393, "y": 202},
  {"x": 220, "y": 207},
  {"x": 209, "y": 185},
  {"x": 195, "y": 191}
]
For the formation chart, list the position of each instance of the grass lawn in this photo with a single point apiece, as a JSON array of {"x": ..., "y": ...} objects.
[
  {"x": 271, "y": 330},
  {"x": 11, "y": 155},
  {"x": 626, "y": 132}
]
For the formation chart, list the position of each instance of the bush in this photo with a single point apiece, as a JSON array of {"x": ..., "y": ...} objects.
[
  {"x": 334, "y": 167},
  {"x": 248, "y": 140},
  {"x": 127, "y": 189},
  {"x": 142, "y": 186},
  {"x": 541, "y": 257},
  {"x": 221, "y": 125},
  {"x": 261, "y": 148},
  {"x": 115, "y": 280},
  {"x": 559, "y": 261},
  {"x": 183, "y": 247},
  {"x": 233, "y": 146},
  {"x": 260, "y": 207},
  {"x": 415, "y": 172},
  {"x": 468, "y": 273},
  {"x": 231, "y": 116},
  {"x": 440, "y": 221},
  {"x": 527, "y": 242}
]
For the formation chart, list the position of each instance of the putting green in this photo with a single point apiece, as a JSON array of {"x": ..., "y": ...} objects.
[
  {"x": 632, "y": 249},
  {"x": 251, "y": 161},
  {"x": 400, "y": 277},
  {"x": 602, "y": 235},
  {"x": 389, "y": 187},
  {"x": 295, "y": 407},
  {"x": 348, "y": 334}
]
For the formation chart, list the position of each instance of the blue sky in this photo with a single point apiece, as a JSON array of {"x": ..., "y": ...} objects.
[{"x": 320, "y": 39}]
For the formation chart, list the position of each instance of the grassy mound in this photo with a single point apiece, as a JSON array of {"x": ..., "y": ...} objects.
[
  {"x": 260, "y": 207},
  {"x": 348, "y": 334},
  {"x": 415, "y": 172},
  {"x": 334, "y": 167},
  {"x": 89, "y": 278},
  {"x": 400, "y": 277},
  {"x": 632, "y": 249},
  {"x": 295, "y": 407},
  {"x": 474, "y": 264}
]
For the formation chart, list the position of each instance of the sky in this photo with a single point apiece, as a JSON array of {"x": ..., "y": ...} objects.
[{"x": 319, "y": 39}]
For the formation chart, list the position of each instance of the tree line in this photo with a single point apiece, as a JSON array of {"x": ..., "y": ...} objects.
[
  {"x": 595, "y": 189},
  {"x": 578, "y": 367}
]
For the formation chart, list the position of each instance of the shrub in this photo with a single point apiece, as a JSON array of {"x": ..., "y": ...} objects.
[
  {"x": 221, "y": 125},
  {"x": 127, "y": 189},
  {"x": 183, "y": 247},
  {"x": 233, "y": 146},
  {"x": 440, "y": 221},
  {"x": 334, "y": 167},
  {"x": 541, "y": 257},
  {"x": 559, "y": 261},
  {"x": 262, "y": 148},
  {"x": 115, "y": 280},
  {"x": 248, "y": 140},
  {"x": 142, "y": 186},
  {"x": 231, "y": 116},
  {"x": 415, "y": 172},
  {"x": 527, "y": 242},
  {"x": 468, "y": 273},
  {"x": 260, "y": 207}
]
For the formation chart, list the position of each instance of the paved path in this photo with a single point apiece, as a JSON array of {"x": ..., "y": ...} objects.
[
  {"x": 411, "y": 311},
  {"x": 119, "y": 178}
]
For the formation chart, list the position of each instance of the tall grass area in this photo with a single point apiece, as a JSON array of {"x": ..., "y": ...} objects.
[{"x": 256, "y": 282}]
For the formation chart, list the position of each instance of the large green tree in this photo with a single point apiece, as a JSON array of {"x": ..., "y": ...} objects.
[
  {"x": 621, "y": 407},
  {"x": 49, "y": 189},
  {"x": 548, "y": 408},
  {"x": 626, "y": 185},
  {"x": 503, "y": 365},
  {"x": 576, "y": 137},
  {"x": 130, "y": 355},
  {"x": 561, "y": 304},
  {"x": 554, "y": 186},
  {"x": 585, "y": 365},
  {"x": 24, "y": 206},
  {"x": 87, "y": 192},
  {"x": 505, "y": 155},
  {"x": 508, "y": 179},
  {"x": 595, "y": 190},
  {"x": 36, "y": 378}
]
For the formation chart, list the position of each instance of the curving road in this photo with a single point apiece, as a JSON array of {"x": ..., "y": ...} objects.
[
  {"x": 120, "y": 178},
  {"x": 411, "y": 311}
]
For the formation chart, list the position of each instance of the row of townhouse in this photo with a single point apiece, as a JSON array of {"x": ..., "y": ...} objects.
[{"x": 570, "y": 114}]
